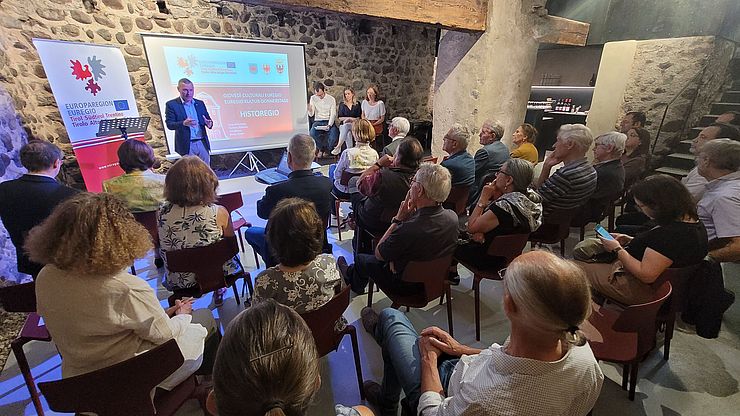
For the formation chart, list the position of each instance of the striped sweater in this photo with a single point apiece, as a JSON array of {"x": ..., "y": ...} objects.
[{"x": 569, "y": 187}]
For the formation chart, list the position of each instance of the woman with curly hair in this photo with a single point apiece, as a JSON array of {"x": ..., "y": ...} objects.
[{"x": 105, "y": 315}]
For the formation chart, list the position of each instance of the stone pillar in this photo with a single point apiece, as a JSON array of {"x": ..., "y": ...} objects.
[{"x": 482, "y": 76}]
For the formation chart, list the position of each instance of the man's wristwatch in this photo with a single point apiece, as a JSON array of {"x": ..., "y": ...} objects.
[{"x": 396, "y": 221}]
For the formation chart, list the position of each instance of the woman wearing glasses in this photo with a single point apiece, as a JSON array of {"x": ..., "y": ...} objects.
[{"x": 505, "y": 206}]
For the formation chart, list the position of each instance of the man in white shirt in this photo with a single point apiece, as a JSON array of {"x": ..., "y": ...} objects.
[
  {"x": 694, "y": 182},
  {"x": 323, "y": 108},
  {"x": 398, "y": 129}
]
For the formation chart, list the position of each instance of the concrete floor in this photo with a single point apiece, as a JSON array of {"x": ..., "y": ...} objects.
[{"x": 701, "y": 377}]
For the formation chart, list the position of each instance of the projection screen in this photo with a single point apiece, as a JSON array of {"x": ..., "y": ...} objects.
[{"x": 255, "y": 91}]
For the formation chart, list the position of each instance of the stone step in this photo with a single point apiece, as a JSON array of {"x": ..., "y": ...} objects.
[
  {"x": 735, "y": 85},
  {"x": 694, "y": 132},
  {"x": 684, "y": 146},
  {"x": 677, "y": 173},
  {"x": 680, "y": 161},
  {"x": 707, "y": 119},
  {"x": 731, "y": 97},
  {"x": 719, "y": 108}
]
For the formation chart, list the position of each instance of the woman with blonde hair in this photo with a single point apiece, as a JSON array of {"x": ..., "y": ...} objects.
[
  {"x": 545, "y": 366},
  {"x": 97, "y": 314},
  {"x": 190, "y": 218},
  {"x": 349, "y": 112},
  {"x": 355, "y": 159},
  {"x": 523, "y": 140}
]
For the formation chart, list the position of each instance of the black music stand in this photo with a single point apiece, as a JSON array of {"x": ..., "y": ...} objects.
[{"x": 126, "y": 125}]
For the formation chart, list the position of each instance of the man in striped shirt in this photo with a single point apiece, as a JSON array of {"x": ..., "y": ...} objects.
[{"x": 572, "y": 185}]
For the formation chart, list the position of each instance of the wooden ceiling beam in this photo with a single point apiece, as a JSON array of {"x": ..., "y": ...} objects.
[
  {"x": 464, "y": 15},
  {"x": 562, "y": 31}
]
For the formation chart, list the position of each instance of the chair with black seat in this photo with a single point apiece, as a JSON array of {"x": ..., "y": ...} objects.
[
  {"x": 343, "y": 180},
  {"x": 457, "y": 199},
  {"x": 432, "y": 275},
  {"x": 22, "y": 298},
  {"x": 625, "y": 334},
  {"x": 679, "y": 278},
  {"x": 232, "y": 202},
  {"x": 585, "y": 216},
  {"x": 125, "y": 388},
  {"x": 322, "y": 323},
  {"x": 555, "y": 229},
  {"x": 206, "y": 263},
  {"x": 148, "y": 219},
  {"x": 503, "y": 248}
]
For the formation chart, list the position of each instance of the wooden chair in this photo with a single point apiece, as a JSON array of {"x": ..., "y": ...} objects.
[
  {"x": 555, "y": 230},
  {"x": 457, "y": 200},
  {"x": 148, "y": 219},
  {"x": 432, "y": 274},
  {"x": 625, "y": 335},
  {"x": 322, "y": 322},
  {"x": 504, "y": 248},
  {"x": 125, "y": 388},
  {"x": 679, "y": 278},
  {"x": 232, "y": 202},
  {"x": 207, "y": 264},
  {"x": 429, "y": 159},
  {"x": 343, "y": 180},
  {"x": 22, "y": 298}
]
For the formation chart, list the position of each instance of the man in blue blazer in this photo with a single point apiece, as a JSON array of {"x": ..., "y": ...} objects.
[
  {"x": 27, "y": 201},
  {"x": 188, "y": 117}
]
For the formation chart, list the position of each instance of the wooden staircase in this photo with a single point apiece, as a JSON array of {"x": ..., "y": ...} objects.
[{"x": 680, "y": 162}]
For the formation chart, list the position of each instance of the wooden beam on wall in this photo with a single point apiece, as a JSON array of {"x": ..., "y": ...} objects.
[
  {"x": 467, "y": 15},
  {"x": 563, "y": 31}
]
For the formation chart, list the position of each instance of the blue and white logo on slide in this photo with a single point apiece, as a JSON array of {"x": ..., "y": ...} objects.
[
  {"x": 121, "y": 105},
  {"x": 213, "y": 66}
]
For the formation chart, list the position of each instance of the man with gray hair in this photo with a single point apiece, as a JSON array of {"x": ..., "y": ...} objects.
[
  {"x": 719, "y": 208},
  {"x": 608, "y": 150},
  {"x": 490, "y": 157},
  {"x": 301, "y": 183},
  {"x": 398, "y": 129},
  {"x": 575, "y": 182},
  {"x": 420, "y": 218},
  {"x": 460, "y": 164},
  {"x": 188, "y": 117}
]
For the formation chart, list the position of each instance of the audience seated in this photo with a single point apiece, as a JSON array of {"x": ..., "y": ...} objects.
[
  {"x": 384, "y": 185},
  {"x": 323, "y": 108},
  {"x": 460, "y": 164},
  {"x": 349, "y": 111},
  {"x": 608, "y": 150},
  {"x": 301, "y": 183},
  {"x": 696, "y": 183},
  {"x": 97, "y": 314},
  {"x": 574, "y": 183},
  {"x": 719, "y": 208},
  {"x": 545, "y": 367},
  {"x": 506, "y": 206},
  {"x": 421, "y": 230},
  {"x": 636, "y": 153},
  {"x": 304, "y": 279},
  {"x": 190, "y": 218},
  {"x": 397, "y": 130},
  {"x": 141, "y": 189},
  {"x": 631, "y": 120},
  {"x": 28, "y": 200},
  {"x": 355, "y": 159},
  {"x": 490, "y": 157},
  {"x": 523, "y": 140},
  {"x": 678, "y": 240}
]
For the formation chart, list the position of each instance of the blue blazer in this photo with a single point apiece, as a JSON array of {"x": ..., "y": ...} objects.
[{"x": 174, "y": 116}]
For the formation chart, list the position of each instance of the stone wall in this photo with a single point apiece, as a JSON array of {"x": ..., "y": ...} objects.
[
  {"x": 341, "y": 51},
  {"x": 661, "y": 68},
  {"x": 12, "y": 138}
]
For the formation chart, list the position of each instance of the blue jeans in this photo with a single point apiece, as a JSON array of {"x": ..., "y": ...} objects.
[
  {"x": 324, "y": 142},
  {"x": 399, "y": 342},
  {"x": 257, "y": 239}
]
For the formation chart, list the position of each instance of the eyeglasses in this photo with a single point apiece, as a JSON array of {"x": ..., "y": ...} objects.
[
  {"x": 450, "y": 139},
  {"x": 502, "y": 273},
  {"x": 504, "y": 172}
]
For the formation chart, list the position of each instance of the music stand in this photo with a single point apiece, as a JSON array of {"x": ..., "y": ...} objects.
[{"x": 125, "y": 124}]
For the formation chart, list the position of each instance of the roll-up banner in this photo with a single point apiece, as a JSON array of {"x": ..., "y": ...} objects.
[{"x": 90, "y": 83}]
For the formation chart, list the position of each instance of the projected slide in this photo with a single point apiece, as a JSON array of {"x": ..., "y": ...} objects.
[{"x": 255, "y": 92}]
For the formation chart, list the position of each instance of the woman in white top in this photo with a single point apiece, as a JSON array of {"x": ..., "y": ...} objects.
[
  {"x": 355, "y": 159},
  {"x": 97, "y": 314},
  {"x": 373, "y": 109},
  {"x": 545, "y": 366}
]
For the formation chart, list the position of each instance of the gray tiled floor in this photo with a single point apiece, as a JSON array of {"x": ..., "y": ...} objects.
[{"x": 700, "y": 379}]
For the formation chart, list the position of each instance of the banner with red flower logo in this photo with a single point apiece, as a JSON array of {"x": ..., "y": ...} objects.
[{"x": 90, "y": 83}]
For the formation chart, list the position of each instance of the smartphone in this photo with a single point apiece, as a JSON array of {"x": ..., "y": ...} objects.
[{"x": 602, "y": 232}]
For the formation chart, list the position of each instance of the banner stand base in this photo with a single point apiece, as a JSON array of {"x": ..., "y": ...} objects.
[{"x": 252, "y": 163}]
